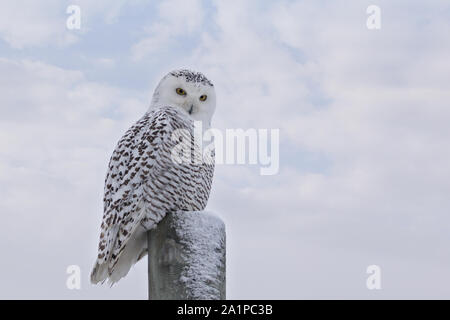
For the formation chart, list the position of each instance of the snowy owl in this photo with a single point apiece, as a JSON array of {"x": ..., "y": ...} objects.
[{"x": 143, "y": 181}]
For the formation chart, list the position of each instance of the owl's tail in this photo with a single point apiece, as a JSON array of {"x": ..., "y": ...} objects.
[
  {"x": 99, "y": 272},
  {"x": 136, "y": 249}
]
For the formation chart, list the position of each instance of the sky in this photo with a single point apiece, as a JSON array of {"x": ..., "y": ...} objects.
[{"x": 363, "y": 117}]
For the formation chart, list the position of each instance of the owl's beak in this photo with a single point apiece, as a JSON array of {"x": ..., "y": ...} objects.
[{"x": 191, "y": 109}]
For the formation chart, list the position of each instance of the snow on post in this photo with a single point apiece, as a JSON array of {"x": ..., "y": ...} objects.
[{"x": 186, "y": 255}]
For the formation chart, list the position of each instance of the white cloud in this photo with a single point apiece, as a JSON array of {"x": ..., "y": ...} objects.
[
  {"x": 34, "y": 23},
  {"x": 29, "y": 23},
  {"x": 175, "y": 19}
]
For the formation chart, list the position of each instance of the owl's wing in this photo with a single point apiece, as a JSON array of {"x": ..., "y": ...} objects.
[{"x": 142, "y": 154}]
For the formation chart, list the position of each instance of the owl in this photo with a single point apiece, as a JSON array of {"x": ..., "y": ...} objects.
[{"x": 144, "y": 180}]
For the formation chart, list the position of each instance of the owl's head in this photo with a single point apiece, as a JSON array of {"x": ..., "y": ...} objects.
[{"x": 189, "y": 90}]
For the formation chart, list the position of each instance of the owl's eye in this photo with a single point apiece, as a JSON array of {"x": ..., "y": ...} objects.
[
  {"x": 203, "y": 97},
  {"x": 180, "y": 91}
]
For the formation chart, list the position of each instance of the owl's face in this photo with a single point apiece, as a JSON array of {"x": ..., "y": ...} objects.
[{"x": 190, "y": 91}]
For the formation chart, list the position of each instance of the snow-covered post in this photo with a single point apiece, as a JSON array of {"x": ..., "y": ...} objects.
[{"x": 186, "y": 257}]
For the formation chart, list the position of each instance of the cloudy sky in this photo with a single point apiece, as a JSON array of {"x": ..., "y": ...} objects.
[{"x": 363, "y": 116}]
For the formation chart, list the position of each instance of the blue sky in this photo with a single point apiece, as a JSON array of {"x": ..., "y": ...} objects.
[{"x": 363, "y": 118}]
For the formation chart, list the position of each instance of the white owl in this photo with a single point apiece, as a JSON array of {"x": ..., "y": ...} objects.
[{"x": 143, "y": 182}]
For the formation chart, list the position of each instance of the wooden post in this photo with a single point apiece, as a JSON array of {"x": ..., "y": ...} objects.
[{"x": 186, "y": 257}]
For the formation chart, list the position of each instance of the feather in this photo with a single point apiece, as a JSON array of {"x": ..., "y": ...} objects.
[{"x": 142, "y": 184}]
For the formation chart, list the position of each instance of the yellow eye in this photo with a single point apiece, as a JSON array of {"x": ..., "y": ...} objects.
[
  {"x": 203, "y": 97},
  {"x": 180, "y": 91}
]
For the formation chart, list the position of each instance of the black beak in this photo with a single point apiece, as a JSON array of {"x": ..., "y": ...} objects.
[{"x": 192, "y": 108}]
